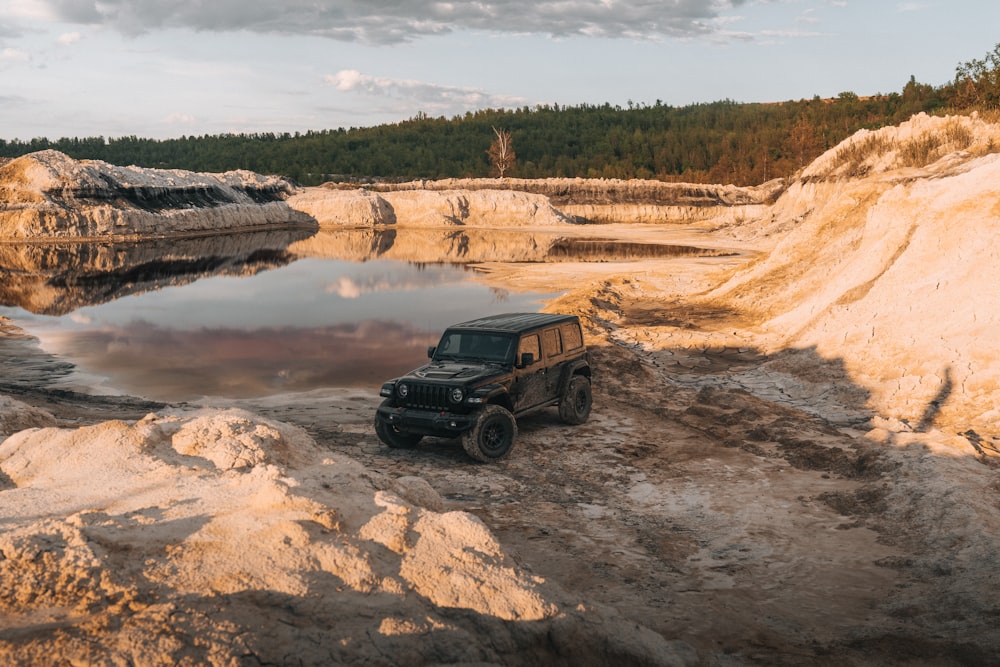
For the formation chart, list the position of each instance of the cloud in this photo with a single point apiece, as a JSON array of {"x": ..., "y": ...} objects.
[
  {"x": 68, "y": 38},
  {"x": 395, "y": 21},
  {"x": 29, "y": 9},
  {"x": 11, "y": 55},
  {"x": 178, "y": 118},
  {"x": 434, "y": 97},
  {"x": 8, "y": 30}
]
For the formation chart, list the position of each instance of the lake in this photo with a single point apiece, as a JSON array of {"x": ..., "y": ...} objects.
[{"x": 256, "y": 314}]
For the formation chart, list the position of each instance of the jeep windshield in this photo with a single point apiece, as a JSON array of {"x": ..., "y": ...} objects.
[{"x": 475, "y": 346}]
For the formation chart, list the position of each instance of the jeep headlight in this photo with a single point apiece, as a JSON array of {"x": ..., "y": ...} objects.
[
  {"x": 402, "y": 390},
  {"x": 457, "y": 395}
]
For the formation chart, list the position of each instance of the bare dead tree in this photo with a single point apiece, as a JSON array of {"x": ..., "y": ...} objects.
[{"x": 501, "y": 152}]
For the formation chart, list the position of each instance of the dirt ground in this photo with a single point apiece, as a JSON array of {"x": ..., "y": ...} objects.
[
  {"x": 701, "y": 501},
  {"x": 751, "y": 528}
]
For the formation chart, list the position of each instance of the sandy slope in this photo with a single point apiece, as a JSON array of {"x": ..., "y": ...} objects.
[{"x": 222, "y": 537}]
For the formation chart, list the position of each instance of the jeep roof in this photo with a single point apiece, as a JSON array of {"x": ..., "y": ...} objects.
[{"x": 517, "y": 323}]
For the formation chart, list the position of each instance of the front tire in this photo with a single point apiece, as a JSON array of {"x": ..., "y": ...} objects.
[
  {"x": 492, "y": 437},
  {"x": 574, "y": 408},
  {"x": 393, "y": 437}
]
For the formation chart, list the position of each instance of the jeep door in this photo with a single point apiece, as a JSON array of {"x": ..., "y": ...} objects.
[
  {"x": 530, "y": 383},
  {"x": 552, "y": 348}
]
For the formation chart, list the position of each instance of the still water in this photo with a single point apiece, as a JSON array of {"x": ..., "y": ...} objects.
[
  {"x": 253, "y": 316},
  {"x": 256, "y": 314}
]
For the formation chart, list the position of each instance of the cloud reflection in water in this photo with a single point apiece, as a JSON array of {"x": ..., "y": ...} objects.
[{"x": 250, "y": 314}]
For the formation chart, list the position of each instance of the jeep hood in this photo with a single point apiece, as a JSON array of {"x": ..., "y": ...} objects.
[{"x": 455, "y": 370}]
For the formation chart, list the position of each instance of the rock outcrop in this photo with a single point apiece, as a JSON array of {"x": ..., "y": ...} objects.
[
  {"x": 333, "y": 207},
  {"x": 601, "y": 191},
  {"x": 589, "y": 200},
  {"x": 47, "y": 195}
]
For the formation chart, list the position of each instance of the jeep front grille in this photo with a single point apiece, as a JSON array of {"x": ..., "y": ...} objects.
[{"x": 427, "y": 397}]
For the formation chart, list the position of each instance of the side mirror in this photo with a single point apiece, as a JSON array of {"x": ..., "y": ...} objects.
[
  {"x": 430, "y": 351},
  {"x": 527, "y": 358}
]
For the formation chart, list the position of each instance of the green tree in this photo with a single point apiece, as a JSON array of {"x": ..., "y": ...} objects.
[{"x": 977, "y": 82}]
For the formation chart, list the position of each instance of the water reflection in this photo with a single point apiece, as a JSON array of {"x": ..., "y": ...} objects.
[
  {"x": 608, "y": 250},
  {"x": 237, "y": 316},
  {"x": 254, "y": 314},
  {"x": 474, "y": 245},
  {"x": 58, "y": 278},
  {"x": 168, "y": 363}
]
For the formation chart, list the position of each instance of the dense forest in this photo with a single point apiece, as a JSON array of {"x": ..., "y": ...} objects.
[{"x": 718, "y": 142}]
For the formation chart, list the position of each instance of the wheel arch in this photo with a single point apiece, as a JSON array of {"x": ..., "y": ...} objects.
[
  {"x": 572, "y": 369},
  {"x": 502, "y": 399}
]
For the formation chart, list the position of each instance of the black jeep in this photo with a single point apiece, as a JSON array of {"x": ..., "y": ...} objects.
[{"x": 482, "y": 375}]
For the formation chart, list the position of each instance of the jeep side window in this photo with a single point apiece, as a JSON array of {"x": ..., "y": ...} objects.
[
  {"x": 529, "y": 344},
  {"x": 449, "y": 344},
  {"x": 487, "y": 347},
  {"x": 553, "y": 343},
  {"x": 572, "y": 336}
]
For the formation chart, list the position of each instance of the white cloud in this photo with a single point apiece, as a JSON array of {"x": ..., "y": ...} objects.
[
  {"x": 790, "y": 33},
  {"x": 11, "y": 55},
  {"x": 177, "y": 118},
  {"x": 28, "y": 9},
  {"x": 434, "y": 97},
  {"x": 68, "y": 38},
  {"x": 394, "y": 21},
  {"x": 808, "y": 16}
]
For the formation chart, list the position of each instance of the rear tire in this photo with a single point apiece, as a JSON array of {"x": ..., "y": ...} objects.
[
  {"x": 574, "y": 408},
  {"x": 492, "y": 437},
  {"x": 393, "y": 437}
]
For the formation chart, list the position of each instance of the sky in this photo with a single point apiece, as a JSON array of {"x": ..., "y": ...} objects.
[{"x": 170, "y": 68}]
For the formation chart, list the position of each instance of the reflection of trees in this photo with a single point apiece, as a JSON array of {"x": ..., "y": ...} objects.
[{"x": 55, "y": 279}]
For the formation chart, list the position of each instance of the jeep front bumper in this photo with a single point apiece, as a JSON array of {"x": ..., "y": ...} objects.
[{"x": 425, "y": 422}]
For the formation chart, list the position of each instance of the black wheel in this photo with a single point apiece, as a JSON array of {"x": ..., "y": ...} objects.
[
  {"x": 491, "y": 438},
  {"x": 393, "y": 437},
  {"x": 574, "y": 408}
]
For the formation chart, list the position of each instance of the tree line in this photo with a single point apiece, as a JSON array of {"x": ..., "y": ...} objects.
[{"x": 717, "y": 142}]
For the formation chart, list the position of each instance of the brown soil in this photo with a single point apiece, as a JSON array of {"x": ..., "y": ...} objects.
[{"x": 753, "y": 531}]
